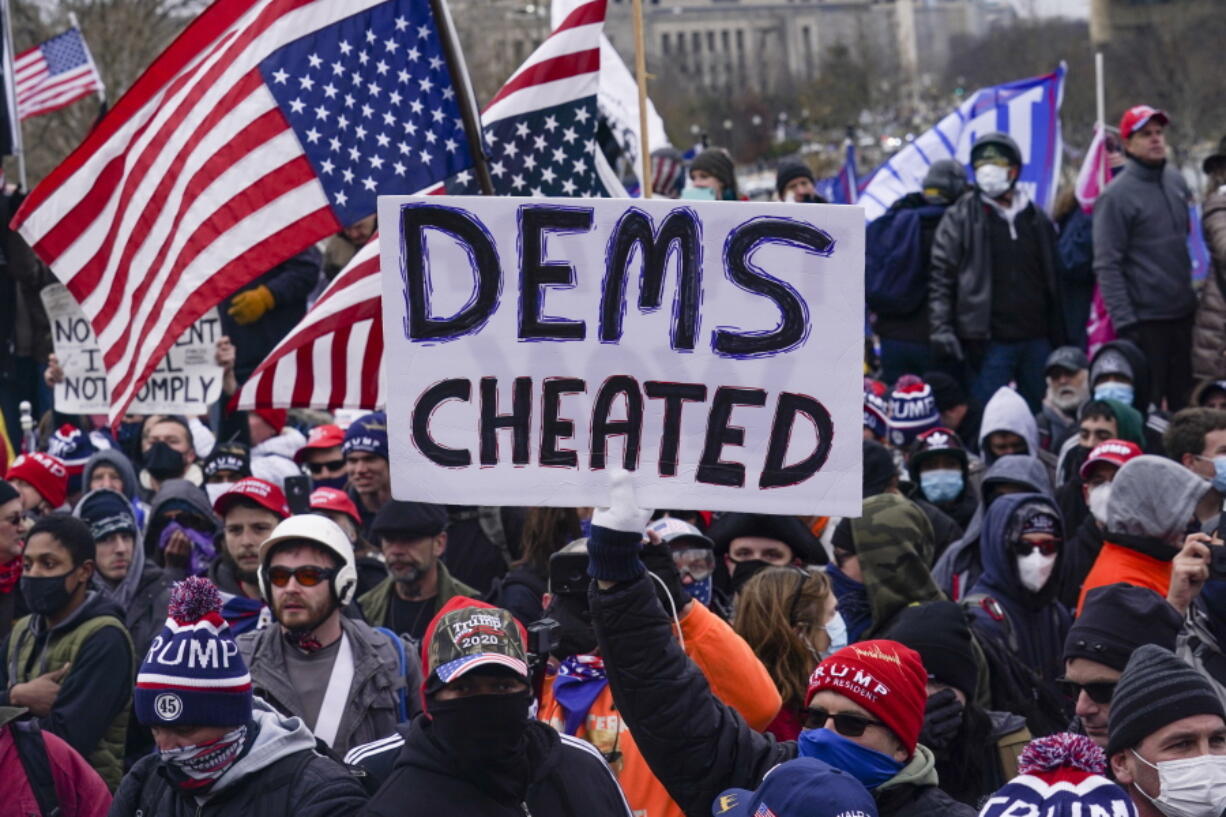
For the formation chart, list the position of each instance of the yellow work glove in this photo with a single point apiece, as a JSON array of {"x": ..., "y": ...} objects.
[{"x": 250, "y": 305}]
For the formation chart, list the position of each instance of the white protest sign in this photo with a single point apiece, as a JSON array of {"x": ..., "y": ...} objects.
[
  {"x": 186, "y": 381},
  {"x": 714, "y": 349}
]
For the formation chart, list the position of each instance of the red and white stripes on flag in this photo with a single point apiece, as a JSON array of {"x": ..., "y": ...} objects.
[
  {"x": 54, "y": 74},
  {"x": 334, "y": 357},
  {"x": 192, "y": 186}
]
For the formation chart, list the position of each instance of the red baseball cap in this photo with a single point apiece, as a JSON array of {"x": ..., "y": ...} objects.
[
  {"x": 262, "y": 493},
  {"x": 1137, "y": 117},
  {"x": 1116, "y": 452},
  {"x": 330, "y": 499},
  {"x": 326, "y": 436}
]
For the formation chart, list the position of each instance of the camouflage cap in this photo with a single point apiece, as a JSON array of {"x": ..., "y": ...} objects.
[{"x": 469, "y": 637}]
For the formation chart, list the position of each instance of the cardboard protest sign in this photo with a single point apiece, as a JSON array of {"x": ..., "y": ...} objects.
[
  {"x": 187, "y": 380},
  {"x": 714, "y": 349}
]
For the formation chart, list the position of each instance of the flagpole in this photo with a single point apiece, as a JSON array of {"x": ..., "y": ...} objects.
[
  {"x": 469, "y": 111},
  {"x": 101, "y": 92},
  {"x": 10, "y": 91},
  {"x": 1100, "y": 109},
  {"x": 640, "y": 73}
]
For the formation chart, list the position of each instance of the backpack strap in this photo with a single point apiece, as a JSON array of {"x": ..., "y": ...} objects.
[
  {"x": 996, "y": 612},
  {"x": 489, "y": 518},
  {"x": 402, "y": 696},
  {"x": 32, "y": 750}
]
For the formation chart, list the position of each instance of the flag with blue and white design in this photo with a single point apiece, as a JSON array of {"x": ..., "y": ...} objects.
[
  {"x": 540, "y": 128},
  {"x": 1028, "y": 110}
]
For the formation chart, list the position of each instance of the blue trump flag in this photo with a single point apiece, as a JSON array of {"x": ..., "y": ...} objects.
[{"x": 1028, "y": 110}]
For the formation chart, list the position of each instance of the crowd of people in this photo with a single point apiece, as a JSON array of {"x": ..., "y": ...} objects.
[{"x": 1027, "y": 617}]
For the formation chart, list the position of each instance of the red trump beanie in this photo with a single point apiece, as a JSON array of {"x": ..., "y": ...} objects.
[{"x": 886, "y": 678}]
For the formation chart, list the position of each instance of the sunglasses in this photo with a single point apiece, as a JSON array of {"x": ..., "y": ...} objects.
[
  {"x": 845, "y": 723},
  {"x": 330, "y": 465},
  {"x": 1024, "y": 548},
  {"x": 307, "y": 575},
  {"x": 1100, "y": 692}
]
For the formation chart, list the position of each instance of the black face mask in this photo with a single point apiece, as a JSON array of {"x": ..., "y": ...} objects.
[
  {"x": 46, "y": 595},
  {"x": 163, "y": 462},
  {"x": 576, "y": 635},
  {"x": 744, "y": 571},
  {"x": 481, "y": 728}
]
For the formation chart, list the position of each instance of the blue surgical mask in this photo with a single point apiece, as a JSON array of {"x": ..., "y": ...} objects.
[
  {"x": 698, "y": 193},
  {"x": 836, "y": 629},
  {"x": 1123, "y": 392},
  {"x": 870, "y": 767},
  {"x": 1219, "y": 473},
  {"x": 941, "y": 485}
]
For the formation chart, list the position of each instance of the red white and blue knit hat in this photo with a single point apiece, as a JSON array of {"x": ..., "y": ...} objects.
[
  {"x": 1060, "y": 776},
  {"x": 193, "y": 673},
  {"x": 913, "y": 410}
]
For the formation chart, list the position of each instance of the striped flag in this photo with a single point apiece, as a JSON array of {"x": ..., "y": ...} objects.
[
  {"x": 333, "y": 357},
  {"x": 54, "y": 74},
  {"x": 541, "y": 125},
  {"x": 266, "y": 126}
]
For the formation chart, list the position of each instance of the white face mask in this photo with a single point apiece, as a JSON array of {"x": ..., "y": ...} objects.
[
  {"x": 992, "y": 179},
  {"x": 216, "y": 489},
  {"x": 1191, "y": 787},
  {"x": 1035, "y": 569},
  {"x": 836, "y": 628},
  {"x": 1097, "y": 500}
]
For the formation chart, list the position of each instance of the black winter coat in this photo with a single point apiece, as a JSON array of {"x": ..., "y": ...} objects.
[
  {"x": 569, "y": 779},
  {"x": 695, "y": 744},
  {"x": 960, "y": 283},
  {"x": 304, "y": 784}
]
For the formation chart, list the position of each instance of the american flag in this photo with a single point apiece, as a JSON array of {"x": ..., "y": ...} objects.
[
  {"x": 333, "y": 357},
  {"x": 266, "y": 126},
  {"x": 540, "y": 127},
  {"x": 54, "y": 74},
  {"x": 843, "y": 188}
]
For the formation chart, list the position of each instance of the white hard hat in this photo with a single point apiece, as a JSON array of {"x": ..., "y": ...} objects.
[{"x": 321, "y": 531}]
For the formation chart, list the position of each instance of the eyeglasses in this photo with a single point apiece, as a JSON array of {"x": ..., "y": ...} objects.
[
  {"x": 330, "y": 465},
  {"x": 846, "y": 724},
  {"x": 1100, "y": 692},
  {"x": 307, "y": 575},
  {"x": 1048, "y": 548},
  {"x": 698, "y": 563}
]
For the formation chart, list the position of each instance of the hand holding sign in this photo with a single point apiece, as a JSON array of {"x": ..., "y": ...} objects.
[{"x": 563, "y": 341}]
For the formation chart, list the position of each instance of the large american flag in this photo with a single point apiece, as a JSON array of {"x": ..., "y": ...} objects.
[
  {"x": 266, "y": 126},
  {"x": 541, "y": 130},
  {"x": 54, "y": 74}
]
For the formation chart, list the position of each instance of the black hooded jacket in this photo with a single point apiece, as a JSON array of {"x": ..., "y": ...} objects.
[{"x": 569, "y": 778}]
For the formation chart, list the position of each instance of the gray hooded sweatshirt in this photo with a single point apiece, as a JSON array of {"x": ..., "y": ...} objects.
[{"x": 1155, "y": 498}]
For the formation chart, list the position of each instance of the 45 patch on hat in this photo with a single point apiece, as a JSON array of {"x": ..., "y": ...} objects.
[{"x": 465, "y": 638}]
